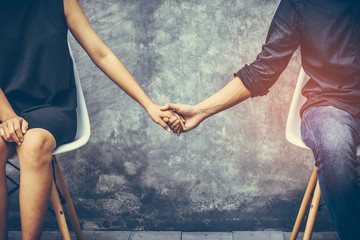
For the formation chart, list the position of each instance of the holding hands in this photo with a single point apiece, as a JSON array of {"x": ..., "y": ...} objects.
[
  {"x": 168, "y": 119},
  {"x": 191, "y": 116}
]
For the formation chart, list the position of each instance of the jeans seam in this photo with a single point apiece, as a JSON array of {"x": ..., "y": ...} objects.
[{"x": 310, "y": 131}]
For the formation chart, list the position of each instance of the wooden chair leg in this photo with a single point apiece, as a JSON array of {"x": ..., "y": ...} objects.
[
  {"x": 304, "y": 204},
  {"x": 68, "y": 202},
  {"x": 312, "y": 213},
  {"x": 59, "y": 213}
]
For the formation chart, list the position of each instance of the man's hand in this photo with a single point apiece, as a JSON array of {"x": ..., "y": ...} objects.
[
  {"x": 158, "y": 116},
  {"x": 192, "y": 116},
  {"x": 13, "y": 130}
]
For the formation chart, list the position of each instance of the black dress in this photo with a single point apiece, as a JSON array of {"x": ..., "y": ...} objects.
[{"x": 36, "y": 71}]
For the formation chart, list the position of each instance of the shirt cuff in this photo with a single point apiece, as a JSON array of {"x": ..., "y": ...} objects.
[{"x": 251, "y": 82}]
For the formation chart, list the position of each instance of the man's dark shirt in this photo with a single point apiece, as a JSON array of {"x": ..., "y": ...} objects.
[{"x": 328, "y": 33}]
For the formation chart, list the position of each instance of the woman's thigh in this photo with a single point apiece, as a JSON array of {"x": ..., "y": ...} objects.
[{"x": 61, "y": 124}]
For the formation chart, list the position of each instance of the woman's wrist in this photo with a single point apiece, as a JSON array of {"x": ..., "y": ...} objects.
[
  {"x": 8, "y": 116},
  {"x": 148, "y": 105}
]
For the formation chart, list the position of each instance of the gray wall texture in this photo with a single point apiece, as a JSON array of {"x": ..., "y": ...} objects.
[{"x": 236, "y": 171}]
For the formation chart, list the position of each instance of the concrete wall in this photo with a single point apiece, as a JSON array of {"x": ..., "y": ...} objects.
[{"x": 236, "y": 171}]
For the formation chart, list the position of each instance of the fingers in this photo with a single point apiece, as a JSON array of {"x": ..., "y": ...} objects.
[
  {"x": 170, "y": 106},
  {"x": 18, "y": 131},
  {"x": 175, "y": 126},
  {"x": 164, "y": 125},
  {"x": 180, "y": 110},
  {"x": 13, "y": 130},
  {"x": 182, "y": 123},
  {"x": 3, "y": 135},
  {"x": 182, "y": 119},
  {"x": 168, "y": 119},
  {"x": 24, "y": 126},
  {"x": 173, "y": 122},
  {"x": 177, "y": 129},
  {"x": 165, "y": 107}
]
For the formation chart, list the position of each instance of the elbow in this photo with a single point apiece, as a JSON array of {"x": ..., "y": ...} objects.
[{"x": 99, "y": 57}]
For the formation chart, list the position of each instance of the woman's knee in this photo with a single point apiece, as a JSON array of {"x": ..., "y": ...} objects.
[{"x": 36, "y": 150}]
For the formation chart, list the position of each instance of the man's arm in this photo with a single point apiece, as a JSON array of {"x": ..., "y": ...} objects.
[
  {"x": 255, "y": 79},
  {"x": 233, "y": 93}
]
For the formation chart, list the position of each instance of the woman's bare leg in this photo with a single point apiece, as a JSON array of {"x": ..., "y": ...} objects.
[
  {"x": 35, "y": 180},
  {"x": 5, "y": 150}
]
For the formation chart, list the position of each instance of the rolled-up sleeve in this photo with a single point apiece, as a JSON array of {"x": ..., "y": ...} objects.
[{"x": 282, "y": 40}]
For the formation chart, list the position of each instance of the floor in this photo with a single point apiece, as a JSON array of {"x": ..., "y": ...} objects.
[{"x": 147, "y": 235}]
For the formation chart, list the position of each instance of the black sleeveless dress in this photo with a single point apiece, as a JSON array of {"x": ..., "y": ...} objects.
[{"x": 36, "y": 71}]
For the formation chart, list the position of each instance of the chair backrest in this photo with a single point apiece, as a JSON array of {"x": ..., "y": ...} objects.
[
  {"x": 83, "y": 124},
  {"x": 293, "y": 133}
]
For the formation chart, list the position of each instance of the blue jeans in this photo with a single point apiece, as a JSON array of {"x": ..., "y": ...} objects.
[{"x": 333, "y": 134}]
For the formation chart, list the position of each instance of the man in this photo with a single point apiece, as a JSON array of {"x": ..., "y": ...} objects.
[{"x": 328, "y": 33}]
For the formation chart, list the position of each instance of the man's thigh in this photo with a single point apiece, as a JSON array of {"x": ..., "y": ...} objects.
[{"x": 329, "y": 130}]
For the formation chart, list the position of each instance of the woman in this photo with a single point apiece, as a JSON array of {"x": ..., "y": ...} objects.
[{"x": 38, "y": 98}]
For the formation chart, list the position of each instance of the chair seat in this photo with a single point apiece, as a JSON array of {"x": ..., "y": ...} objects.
[{"x": 293, "y": 124}]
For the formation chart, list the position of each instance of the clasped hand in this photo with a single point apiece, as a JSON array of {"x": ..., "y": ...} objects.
[
  {"x": 168, "y": 119},
  {"x": 13, "y": 130},
  {"x": 191, "y": 116}
]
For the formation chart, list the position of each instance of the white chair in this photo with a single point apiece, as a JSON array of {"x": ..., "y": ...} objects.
[
  {"x": 293, "y": 123},
  {"x": 81, "y": 138},
  {"x": 293, "y": 135},
  {"x": 83, "y": 124}
]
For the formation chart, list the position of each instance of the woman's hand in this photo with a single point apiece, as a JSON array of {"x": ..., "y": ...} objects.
[
  {"x": 176, "y": 122},
  {"x": 158, "y": 116},
  {"x": 13, "y": 130},
  {"x": 191, "y": 116}
]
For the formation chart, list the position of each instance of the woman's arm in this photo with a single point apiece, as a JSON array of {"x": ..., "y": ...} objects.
[
  {"x": 12, "y": 127},
  {"x": 106, "y": 60}
]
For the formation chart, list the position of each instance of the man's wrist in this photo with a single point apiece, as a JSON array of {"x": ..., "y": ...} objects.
[{"x": 202, "y": 111}]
